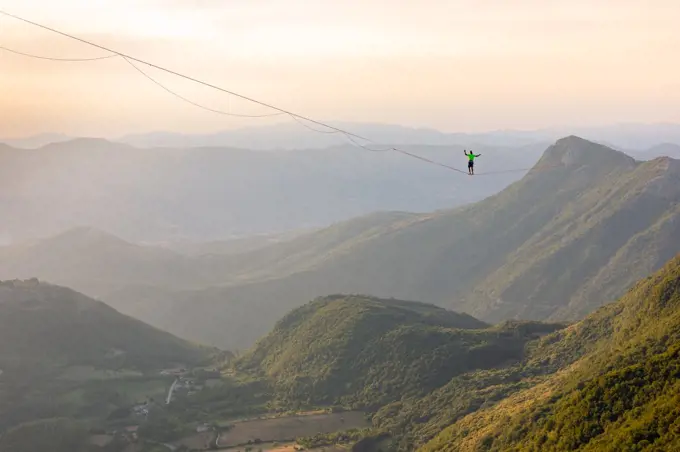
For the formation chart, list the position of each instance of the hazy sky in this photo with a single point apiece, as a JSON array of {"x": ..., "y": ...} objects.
[{"x": 454, "y": 65}]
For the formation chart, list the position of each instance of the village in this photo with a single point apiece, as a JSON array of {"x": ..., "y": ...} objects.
[
  {"x": 141, "y": 427},
  {"x": 186, "y": 383}
]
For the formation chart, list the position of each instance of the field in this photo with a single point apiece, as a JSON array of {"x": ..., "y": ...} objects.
[
  {"x": 199, "y": 441},
  {"x": 266, "y": 447},
  {"x": 291, "y": 427},
  {"x": 288, "y": 447}
]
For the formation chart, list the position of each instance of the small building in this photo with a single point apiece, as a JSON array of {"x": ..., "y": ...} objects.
[{"x": 131, "y": 432}]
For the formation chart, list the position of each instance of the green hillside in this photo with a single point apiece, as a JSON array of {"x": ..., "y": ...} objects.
[
  {"x": 620, "y": 393},
  {"x": 63, "y": 354},
  {"x": 51, "y": 325},
  {"x": 365, "y": 352}
]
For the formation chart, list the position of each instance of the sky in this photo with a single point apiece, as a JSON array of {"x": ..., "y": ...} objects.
[{"x": 457, "y": 65}]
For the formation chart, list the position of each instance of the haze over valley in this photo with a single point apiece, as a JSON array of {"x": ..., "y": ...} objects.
[
  {"x": 339, "y": 226},
  {"x": 501, "y": 271},
  {"x": 222, "y": 303}
]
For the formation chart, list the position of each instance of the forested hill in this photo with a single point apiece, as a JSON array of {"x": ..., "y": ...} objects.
[
  {"x": 64, "y": 355},
  {"x": 621, "y": 393},
  {"x": 51, "y": 326},
  {"x": 364, "y": 352}
]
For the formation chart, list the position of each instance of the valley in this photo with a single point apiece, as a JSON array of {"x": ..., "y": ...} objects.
[
  {"x": 518, "y": 341},
  {"x": 501, "y": 258},
  {"x": 487, "y": 398},
  {"x": 357, "y": 226}
]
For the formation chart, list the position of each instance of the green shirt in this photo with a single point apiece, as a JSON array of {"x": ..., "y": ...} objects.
[{"x": 471, "y": 156}]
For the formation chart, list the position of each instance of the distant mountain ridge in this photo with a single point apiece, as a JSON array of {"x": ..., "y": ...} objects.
[
  {"x": 208, "y": 194},
  {"x": 290, "y": 135},
  {"x": 664, "y": 149},
  {"x": 99, "y": 262},
  {"x": 35, "y": 141},
  {"x": 293, "y": 136}
]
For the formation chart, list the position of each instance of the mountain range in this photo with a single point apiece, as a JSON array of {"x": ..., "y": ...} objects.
[
  {"x": 291, "y": 135},
  {"x": 206, "y": 194},
  {"x": 574, "y": 233},
  {"x": 516, "y": 344}
]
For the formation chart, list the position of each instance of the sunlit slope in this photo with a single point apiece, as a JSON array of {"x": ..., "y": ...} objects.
[
  {"x": 622, "y": 393},
  {"x": 364, "y": 352}
]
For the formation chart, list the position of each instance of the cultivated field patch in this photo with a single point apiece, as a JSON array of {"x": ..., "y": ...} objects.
[{"x": 291, "y": 427}]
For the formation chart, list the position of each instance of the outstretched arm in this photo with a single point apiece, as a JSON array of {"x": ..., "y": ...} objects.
[
  {"x": 465, "y": 151},
  {"x": 478, "y": 155}
]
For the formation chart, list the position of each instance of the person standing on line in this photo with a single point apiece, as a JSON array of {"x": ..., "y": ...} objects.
[{"x": 471, "y": 161}]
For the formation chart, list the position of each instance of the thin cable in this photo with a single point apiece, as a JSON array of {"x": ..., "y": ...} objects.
[
  {"x": 351, "y": 140},
  {"x": 220, "y": 112},
  {"x": 241, "y": 96},
  {"x": 170, "y": 71},
  {"x": 39, "y": 57},
  {"x": 293, "y": 115},
  {"x": 347, "y": 136},
  {"x": 424, "y": 159},
  {"x": 362, "y": 146},
  {"x": 299, "y": 121}
]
